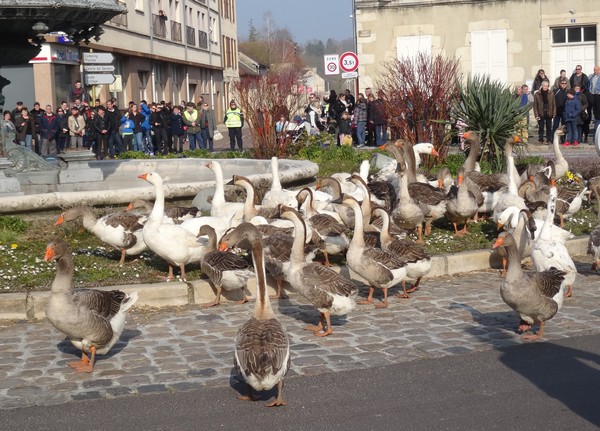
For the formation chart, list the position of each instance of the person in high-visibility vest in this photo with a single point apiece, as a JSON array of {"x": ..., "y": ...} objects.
[{"x": 234, "y": 120}]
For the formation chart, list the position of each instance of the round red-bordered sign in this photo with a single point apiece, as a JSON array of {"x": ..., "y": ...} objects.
[
  {"x": 348, "y": 62},
  {"x": 331, "y": 67}
]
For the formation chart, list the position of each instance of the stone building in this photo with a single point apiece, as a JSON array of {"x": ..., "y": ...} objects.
[
  {"x": 507, "y": 39},
  {"x": 170, "y": 50}
]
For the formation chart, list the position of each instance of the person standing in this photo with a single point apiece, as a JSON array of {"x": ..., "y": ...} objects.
[
  {"x": 78, "y": 93},
  {"x": 63, "y": 131},
  {"x": 159, "y": 128},
  {"x": 102, "y": 126},
  {"x": 594, "y": 93},
  {"x": 49, "y": 125},
  {"x": 360, "y": 117},
  {"x": 138, "y": 133},
  {"x": 557, "y": 81},
  {"x": 234, "y": 120},
  {"x": 544, "y": 109},
  {"x": 191, "y": 119},
  {"x": 177, "y": 129},
  {"x": 25, "y": 125},
  {"x": 76, "y": 129},
  {"x": 115, "y": 144},
  {"x": 560, "y": 97},
  {"x": 571, "y": 115},
  {"x": 147, "y": 146},
  {"x": 377, "y": 118},
  {"x": 537, "y": 81},
  {"x": 582, "y": 119},
  {"x": 9, "y": 130},
  {"x": 209, "y": 125},
  {"x": 578, "y": 78},
  {"x": 37, "y": 113}
]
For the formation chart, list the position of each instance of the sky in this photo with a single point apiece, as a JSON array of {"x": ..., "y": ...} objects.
[{"x": 305, "y": 19}]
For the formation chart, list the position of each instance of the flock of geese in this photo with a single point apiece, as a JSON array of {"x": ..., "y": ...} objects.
[{"x": 363, "y": 218}]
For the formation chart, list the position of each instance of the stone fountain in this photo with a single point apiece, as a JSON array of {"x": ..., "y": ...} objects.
[{"x": 23, "y": 25}]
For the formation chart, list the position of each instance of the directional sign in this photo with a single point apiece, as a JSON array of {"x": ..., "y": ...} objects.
[
  {"x": 332, "y": 64},
  {"x": 99, "y": 68},
  {"x": 348, "y": 62},
  {"x": 98, "y": 57},
  {"x": 99, "y": 78}
]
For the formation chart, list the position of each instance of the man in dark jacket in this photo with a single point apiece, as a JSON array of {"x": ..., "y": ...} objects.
[
  {"x": 49, "y": 126},
  {"x": 560, "y": 98},
  {"x": 115, "y": 143},
  {"x": 159, "y": 128},
  {"x": 377, "y": 117},
  {"x": 177, "y": 130},
  {"x": 102, "y": 128}
]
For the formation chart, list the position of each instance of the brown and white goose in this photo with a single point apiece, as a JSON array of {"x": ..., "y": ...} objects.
[
  {"x": 224, "y": 269},
  {"x": 121, "y": 230},
  {"x": 418, "y": 262},
  {"x": 262, "y": 347},
  {"x": 251, "y": 210},
  {"x": 382, "y": 270},
  {"x": 175, "y": 213},
  {"x": 535, "y": 296},
  {"x": 93, "y": 320},
  {"x": 328, "y": 291},
  {"x": 461, "y": 207}
]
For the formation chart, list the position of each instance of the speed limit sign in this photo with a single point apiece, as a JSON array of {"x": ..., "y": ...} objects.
[
  {"x": 348, "y": 62},
  {"x": 332, "y": 64}
]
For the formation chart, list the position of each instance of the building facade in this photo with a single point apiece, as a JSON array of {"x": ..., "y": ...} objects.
[
  {"x": 171, "y": 50},
  {"x": 507, "y": 39}
]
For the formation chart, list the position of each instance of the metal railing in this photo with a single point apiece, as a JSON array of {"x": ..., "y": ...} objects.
[
  {"x": 190, "y": 35},
  {"x": 176, "y": 31},
  {"x": 203, "y": 39},
  {"x": 120, "y": 20},
  {"x": 159, "y": 26}
]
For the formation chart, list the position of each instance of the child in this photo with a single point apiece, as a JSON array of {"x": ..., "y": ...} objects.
[
  {"x": 571, "y": 117},
  {"x": 345, "y": 128}
]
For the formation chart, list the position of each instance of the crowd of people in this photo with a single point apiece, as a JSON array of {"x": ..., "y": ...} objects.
[
  {"x": 150, "y": 128},
  {"x": 570, "y": 102}
]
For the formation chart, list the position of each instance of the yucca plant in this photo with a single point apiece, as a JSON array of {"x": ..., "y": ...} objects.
[{"x": 491, "y": 109}]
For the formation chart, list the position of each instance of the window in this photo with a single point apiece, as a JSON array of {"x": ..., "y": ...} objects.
[
  {"x": 579, "y": 34},
  {"x": 489, "y": 54},
  {"x": 139, "y": 5}
]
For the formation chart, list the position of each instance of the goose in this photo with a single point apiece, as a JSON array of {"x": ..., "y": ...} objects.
[
  {"x": 331, "y": 233},
  {"x": 224, "y": 269},
  {"x": 535, "y": 296},
  {"x": 407, "y": 213},
  {"x": 262, "y": 346},
  {"x": 328, "y": 291},
  {"x": 548, "y": 253},
  {"x": 250, "y": 208},
  {"x": 418, "y": 262},
  {"x": 335, "y": 188},
  {"x": 93, "y": 320},
  {"x": 120, "y": 230},
  {"x": 509, "y": 219},
  {"x": 349, "y": 188},
  {"x": 461, "y": 207},
  {"x": 173, "y": 243},
  {"x": 277, "y": 195},
  {"x": 381, "y": 269},
  {"x": 175, "y": 213},
  {"x": 509, "y": 196},
  {"x": 219, "y": 207},
  {"x": 560, "y": 163},
  {"x": 594, "y": 247}
]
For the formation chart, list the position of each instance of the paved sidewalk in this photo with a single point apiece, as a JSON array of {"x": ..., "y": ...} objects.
[{"x": 183, "y": 348}]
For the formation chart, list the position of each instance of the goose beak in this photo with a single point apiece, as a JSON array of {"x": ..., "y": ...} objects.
[
  {"x": 467, "y": 135},
  {"x": 499, "y": 243},
  {"x": 435, "y": 153},
  {"x": 499, "y": 226},
  {"x": 223, "y": 246},
  {"x": 60, "y": 220},
  {"x": 49, "y": 253},
  {"x": 381, "y": 147},
  {"x": 143, "y": 176},
  {"x": 129, "y": 207}
]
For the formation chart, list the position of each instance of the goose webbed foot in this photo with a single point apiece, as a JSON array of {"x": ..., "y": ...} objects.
[
  {"x": 414, "y": 286},
  {"x": 249, "y": 397},
  {"x": 85, "y": 365},
  {"x": 369, "y": 298},
  {"x": 594, "y": 267},
  {"x": 569, "y": 292},
  {"x": 280, "y": 292},
  {"x": 523, "y": 326},
  {"x": 242, "y": 301},
  {"x": 383, "y": 304},
  {"x": 279, "y": 400},
  {"x": 532, "y": 337}
]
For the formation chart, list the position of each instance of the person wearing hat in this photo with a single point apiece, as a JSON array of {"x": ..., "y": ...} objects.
[{"x": 234, "y": 120}]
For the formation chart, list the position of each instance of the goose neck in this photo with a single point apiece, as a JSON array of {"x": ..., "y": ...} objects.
[
  {"x": 276, "y": 183},
  {"x": 514, "y": 261},
  {"x": 158, "y": 210},
  {"x": 219, "y": 196},
  {"x": 359, "y": 231},
  {"x": 262, "y": 306},
  {"x": 64, "y": 274},
  {"x": 297, "y": 252}
]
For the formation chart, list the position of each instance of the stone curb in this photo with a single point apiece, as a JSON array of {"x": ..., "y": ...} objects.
[{"x": 19, "y": 306}]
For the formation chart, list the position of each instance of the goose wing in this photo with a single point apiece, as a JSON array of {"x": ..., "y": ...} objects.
[
  {"x": 262, "y": 347},
  {"x": 103, "y": 303},
  {"x": 327, "y": 225},
  {"x": 384, "y": 191},
  {"x": 408, "y": 251},
  {"x": 594, "y": 241},
  {"x": 548, "y": 282},
  {"x": 425, "y": 193},
  {"x": 323, "y": 279},
  {"x": 488, "y": 183},
  {"x": 177, "y": 212}
]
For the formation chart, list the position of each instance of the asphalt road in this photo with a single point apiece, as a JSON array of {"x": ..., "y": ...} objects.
[{"x": 538, "y": 386}]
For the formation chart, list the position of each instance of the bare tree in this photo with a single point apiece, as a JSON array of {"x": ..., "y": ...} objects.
[
  {"x": 265, "y": 98},
  {"x": 418, "y": 93}
]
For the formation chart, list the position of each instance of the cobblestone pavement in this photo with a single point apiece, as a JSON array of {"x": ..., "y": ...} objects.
[{"x": 180, "y": 349}]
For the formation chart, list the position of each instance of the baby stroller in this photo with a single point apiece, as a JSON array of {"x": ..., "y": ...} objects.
[{"x": 297, "y": 128}]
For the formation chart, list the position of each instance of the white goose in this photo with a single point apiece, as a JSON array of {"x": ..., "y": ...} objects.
[
  {"x": 277, "y": 195},
  {"x": 548, "y": 253},
  {"x": 262, "y": 347},
  {"x": 327, "y": 290},
  {"x": 510, "y": 195},
  {"x": 220, "y": 207},
  {"x": 380, "y": 269},
  {"x": 172, "y": 242},
  {"x": 120, "y": 230}
]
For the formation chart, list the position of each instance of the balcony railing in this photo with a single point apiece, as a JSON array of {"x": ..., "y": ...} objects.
[
  {"x": 120, "y": 20},
  {"x": 175, "y": 31},
  {"x": 203, "y": 39},
  {"x": 159, "y": 26},
  {"x": 190, "y": 35}
]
